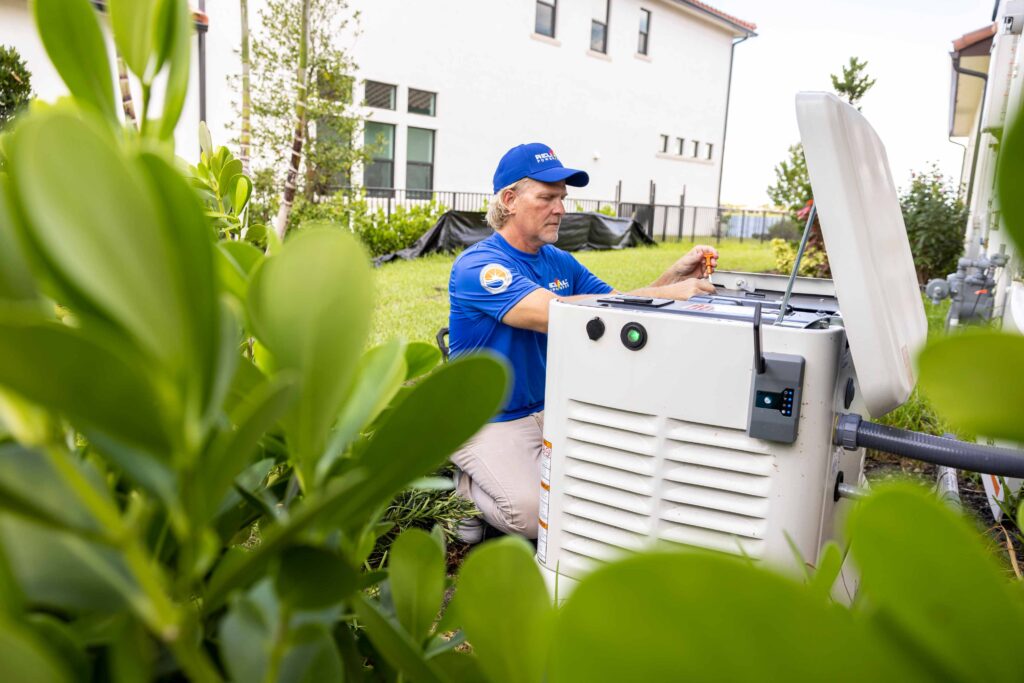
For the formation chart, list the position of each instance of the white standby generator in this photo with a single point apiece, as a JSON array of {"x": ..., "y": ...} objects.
[{"x": 687, "y": 422}]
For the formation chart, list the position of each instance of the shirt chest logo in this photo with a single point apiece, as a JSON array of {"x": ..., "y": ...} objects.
[
  {"x": 558, "y": 285},
  {"x": 495, "y": 278}
]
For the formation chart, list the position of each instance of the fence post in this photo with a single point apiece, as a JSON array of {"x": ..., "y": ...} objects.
[
  {"x": 650, "y": 215},
  {"x": 693, "y": 224},
  {"x": 743, "y": 224},
  {"x": 682, "y": 211},
  {"x": 718, "y": 225},
  {"x": 764, "y": 225},
  {"x": 618, "y": 197}
]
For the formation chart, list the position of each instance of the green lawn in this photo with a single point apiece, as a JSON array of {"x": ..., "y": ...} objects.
[{"x": 412, "y": 296}]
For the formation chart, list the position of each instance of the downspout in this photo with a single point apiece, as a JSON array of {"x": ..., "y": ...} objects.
[
  {"x": 725, "y": 124},
  {"x": 981, "y": 118}
]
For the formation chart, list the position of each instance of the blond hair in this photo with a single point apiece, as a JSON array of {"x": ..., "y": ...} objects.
[{"x": 497, "y": 211}]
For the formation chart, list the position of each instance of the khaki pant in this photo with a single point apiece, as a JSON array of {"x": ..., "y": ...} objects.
[{"x": 501, "y": 473}]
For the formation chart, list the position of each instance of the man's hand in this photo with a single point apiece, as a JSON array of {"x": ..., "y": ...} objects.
[
  {"x": 692, "y": 263},
  {"x": 686, "y": 289}
]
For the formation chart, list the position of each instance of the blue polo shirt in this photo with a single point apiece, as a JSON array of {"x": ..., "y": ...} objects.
[{"x": 487, "y": 280}]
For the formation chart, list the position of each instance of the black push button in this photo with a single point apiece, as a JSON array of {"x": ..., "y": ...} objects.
[
  {"x": 595, "y": 328},
  {"x": 633, "y": 336}
]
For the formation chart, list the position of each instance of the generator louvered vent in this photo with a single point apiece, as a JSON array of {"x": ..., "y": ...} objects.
[{"x": 633, "y": 479}]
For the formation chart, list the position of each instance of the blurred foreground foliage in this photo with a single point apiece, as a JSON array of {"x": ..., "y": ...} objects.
[{"x": 196, "y": 385}]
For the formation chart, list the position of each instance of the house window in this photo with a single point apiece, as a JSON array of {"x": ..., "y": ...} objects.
[
  {"x": 422, "y": 102},
  {"x": 379, "y": 176},
  {"x": 599, "y": 27},
  {"x": 710, "y": 150},
  {"x": 645, "y": 30},
  {"x": 544, "y": 24},
  {"x": 664, "y": 144},
  {"x": 680, "y": 145},
  {"x": 693, "y": 148},
  {"x": 380, "y": 95},
  {"x": 419, "y": 168}
]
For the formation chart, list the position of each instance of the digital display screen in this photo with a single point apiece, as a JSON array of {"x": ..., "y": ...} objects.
[{"x": 781, "y": 401}]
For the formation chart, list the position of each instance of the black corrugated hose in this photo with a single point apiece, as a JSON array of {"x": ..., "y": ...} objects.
[{"x": 853, "y": 432}]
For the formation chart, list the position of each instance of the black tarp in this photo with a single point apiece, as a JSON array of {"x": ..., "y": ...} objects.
[{"x": 578, "y": 232}]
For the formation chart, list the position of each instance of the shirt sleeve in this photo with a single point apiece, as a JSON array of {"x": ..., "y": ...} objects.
[
  {"x": 488, "y": 284},
  {"x": 585, "y": 282}
]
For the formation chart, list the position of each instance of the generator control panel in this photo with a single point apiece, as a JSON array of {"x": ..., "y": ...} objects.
[{"x": 774, "y": 392}]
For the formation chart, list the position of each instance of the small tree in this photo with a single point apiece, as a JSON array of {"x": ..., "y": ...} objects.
[
  {"x": 855, "y": 82},
  {"x": 936, "y": 219},
  {"x": 792, "y": 186},
  {"x": 15, "y": 84},
  {"x": 328, "y": 152}
]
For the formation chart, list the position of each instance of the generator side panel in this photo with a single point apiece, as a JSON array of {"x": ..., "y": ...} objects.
[{"x": 649, "y": 445}]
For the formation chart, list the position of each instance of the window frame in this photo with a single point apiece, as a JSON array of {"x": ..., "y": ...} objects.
[
  {"x": 394, "y": 95},
  {"x": 377, "y": 191},
  {"x": 696, "y": 149},
  {"x": 604, "y": 27},
  {"x": 644, "y": 37},
  {"x": 680, "y": 146},
  {"x": 710, "y": 154},
  {"x": 553, "y": 5},
  {"x": 664, "y": 143},
  {"x": 420, "y": 192},
  {"x": 433, "y": 102}
]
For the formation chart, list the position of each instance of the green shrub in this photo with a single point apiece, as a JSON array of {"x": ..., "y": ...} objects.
[
  {"x": 15, "y": 84},
  {"x": 786, "y": 229},
  {"x": 936, "y": 220},
  {"x": 811, "y": 265},
  {"x": 372, "y": 226}
]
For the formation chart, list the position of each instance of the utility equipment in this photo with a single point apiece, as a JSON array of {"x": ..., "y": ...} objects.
[{"x": 712, "y": 422}]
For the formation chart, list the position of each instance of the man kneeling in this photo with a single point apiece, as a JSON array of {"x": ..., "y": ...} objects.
[{"x": 499, "y": 291}]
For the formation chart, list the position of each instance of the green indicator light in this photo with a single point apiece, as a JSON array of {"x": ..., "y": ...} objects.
[{"x": 634, "y": 335}]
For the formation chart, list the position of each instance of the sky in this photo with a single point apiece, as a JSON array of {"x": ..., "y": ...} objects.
[{"x": 799, "y": 43}]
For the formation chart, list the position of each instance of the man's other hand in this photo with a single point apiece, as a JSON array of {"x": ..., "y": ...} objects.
[
  {"x": 686, "y": 289},
  {"x": 692, "y": 263}
]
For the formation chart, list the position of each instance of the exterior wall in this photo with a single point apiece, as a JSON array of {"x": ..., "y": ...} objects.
[
  {"x": 498, "y": 84},
  {"x": 17, "y": 29}
]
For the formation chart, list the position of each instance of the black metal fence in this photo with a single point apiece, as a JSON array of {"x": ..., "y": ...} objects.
[{"x": 663, "y": 222}]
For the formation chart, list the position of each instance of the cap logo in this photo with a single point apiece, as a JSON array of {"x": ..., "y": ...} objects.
[
  {"x": 545, "y": 156},
  {"x": 495, "y": 278}
]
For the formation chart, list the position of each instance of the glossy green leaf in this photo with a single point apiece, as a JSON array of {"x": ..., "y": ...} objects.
[
  {"x": 505, "y": 609},
  {"x": 231, "y": 170},
  {"x": 242, "y": 191},
  {"x": 27, "y": 658},
  {"x": 380, "y": 375},
  {"x": 703, "y": 616},
  {"x": 235, "y": 262},
  {"x": 16, "y": 280},
  {"x": 310, "y": 306},
  {"x": 210, "y": 339},
  {"x": 65, "y": 573},
  {"x": 829, "y": 565},
  {"x": 246, "y": 635},
  {"x": 311, "y": 656},
  {"x": 957, "y": 609},
  {"x": 234, "y": 450},
  {"x": 451, "y": 405},
  {"x": 57, "y": 367},
  {"x": 132, "y": 22},
  {"x": 459, "y": 666},
  {"x": 417, "y": 572},
  {"x": 49, "y": 500},
  {"x": 1010, "y": 181},
  {"x": 313, "y": 578},
  {"x": 177, "y": 25},
  {"x": 105, "y": 243},
  {"x": 977, "y": 364},
  {"x": 74, "y": 42},
  {"x": 420, "y": 358},
  {"x": 394, "y": 644}
]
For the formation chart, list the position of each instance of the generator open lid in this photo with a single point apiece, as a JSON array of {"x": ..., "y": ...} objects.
[{"x": 866, "y": 240}]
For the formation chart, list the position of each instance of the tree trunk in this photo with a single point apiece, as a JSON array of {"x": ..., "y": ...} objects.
[
  {"x": 126, "y": 93},
  {"x": 288, "y": 196},
  {"x": 246, "y": 139}
]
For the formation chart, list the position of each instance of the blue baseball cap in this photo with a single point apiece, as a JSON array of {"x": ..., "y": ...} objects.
[{"x": 537, "y": 161}]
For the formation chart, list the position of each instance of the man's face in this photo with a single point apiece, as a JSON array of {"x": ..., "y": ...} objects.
[{"x": 538, "y": 210}]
